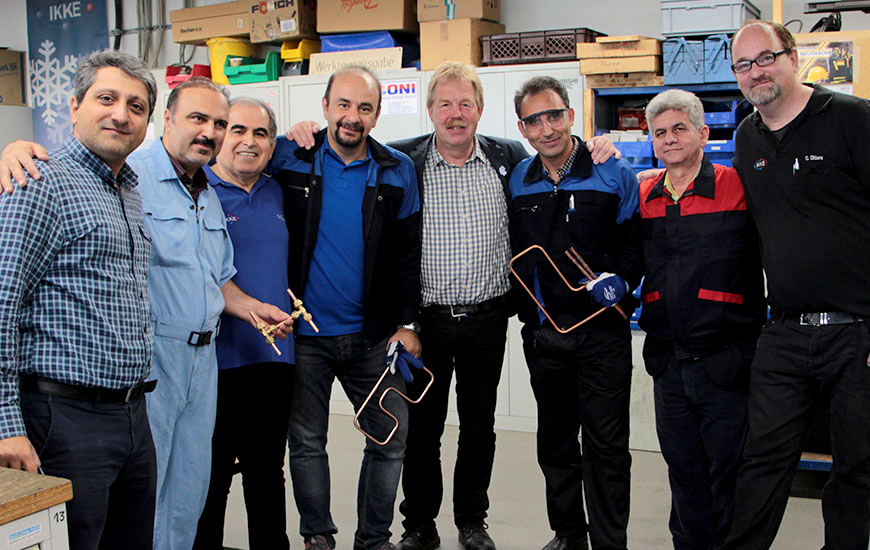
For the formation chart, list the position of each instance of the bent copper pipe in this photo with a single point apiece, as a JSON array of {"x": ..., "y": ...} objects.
[{"x": 356, "y": 423}]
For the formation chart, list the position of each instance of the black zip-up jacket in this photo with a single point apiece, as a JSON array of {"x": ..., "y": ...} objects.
[
  {"x": 704, "y": 288},
  {"x": 391, "y": 290}
]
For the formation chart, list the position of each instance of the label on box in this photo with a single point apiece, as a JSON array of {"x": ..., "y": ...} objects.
[
  {"x": 399, "y": 98},
  {"x": 380, "y": 59},
  {"x": 288, "y": 25}
]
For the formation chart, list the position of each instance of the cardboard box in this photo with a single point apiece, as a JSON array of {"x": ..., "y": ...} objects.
[
  {"x": 12, "y": 78},
  {"x": 380, "y": 59},
  {"x": 278, "y": 20},
  {"x": 439, "y": 10},
  {"x": 366, "y": 15},
  {"x": 619, "y": 46},
  {"x": 607, "y": 65},
  {"x": 457, "y": 40},
  {"x": 196, "y": 25}
]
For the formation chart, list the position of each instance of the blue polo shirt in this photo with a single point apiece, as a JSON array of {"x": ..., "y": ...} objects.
[
  {"x": 334, "y": 293},
  {"x": 256, "y": 225}
]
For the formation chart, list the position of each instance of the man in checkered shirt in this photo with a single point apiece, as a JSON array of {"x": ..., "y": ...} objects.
[
  {"x": 75, "y": 331},
  {"x": 462, "y": 178}
]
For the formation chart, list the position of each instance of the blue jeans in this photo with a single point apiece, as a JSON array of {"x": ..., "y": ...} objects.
[{"x": 319, "y": 359}]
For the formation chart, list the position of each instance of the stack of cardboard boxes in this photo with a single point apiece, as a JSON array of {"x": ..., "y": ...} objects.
[
  {"x": 450, "y": 30},
  {"x": 617, "y": 61}
]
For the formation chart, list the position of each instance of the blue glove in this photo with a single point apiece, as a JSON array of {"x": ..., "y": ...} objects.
[
  {"x": 398, "y": 356},
  {"x": 607, "y": 289}
]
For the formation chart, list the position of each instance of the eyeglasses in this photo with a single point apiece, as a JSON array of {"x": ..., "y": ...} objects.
[
  {"x": 554, "y": 117},
  {"x": 762, "y": 60}
]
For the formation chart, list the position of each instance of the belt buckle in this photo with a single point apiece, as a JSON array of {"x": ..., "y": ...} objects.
[
  {"x": 457, "y": 315},
  {"x": 202, "y": 338},
  {"x": 813, "y": 319}
]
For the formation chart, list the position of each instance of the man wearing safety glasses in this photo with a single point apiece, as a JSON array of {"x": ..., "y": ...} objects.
[{"x": 581, "y": 378}]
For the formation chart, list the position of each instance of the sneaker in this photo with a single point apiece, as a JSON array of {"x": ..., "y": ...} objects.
[
  {"x": 423, "y": 537},
  {"x": 474, "y": 537},
  {"x": 319, "y": 542},
  {"x": 386, "y": 546}
]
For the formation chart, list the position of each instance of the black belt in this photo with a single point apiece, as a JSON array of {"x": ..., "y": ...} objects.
[
  {"x": 821, "y": 318},
  {"x": 45, "y": 386},
  {"x": 459, "y": 311}
]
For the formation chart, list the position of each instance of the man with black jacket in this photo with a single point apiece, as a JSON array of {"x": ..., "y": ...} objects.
[
  {"x": 352, "y": 209},
  {"x": 580, "y": 377},
  {"x": 462, "y": 178}
]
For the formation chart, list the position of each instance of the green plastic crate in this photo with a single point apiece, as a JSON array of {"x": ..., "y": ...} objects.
[{"x": 254, "y": 69}]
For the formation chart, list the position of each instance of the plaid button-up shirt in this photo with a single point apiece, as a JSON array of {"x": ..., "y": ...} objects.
[
  {"x": 465, "y": 231},
  {"x": 73, "y": 293}
]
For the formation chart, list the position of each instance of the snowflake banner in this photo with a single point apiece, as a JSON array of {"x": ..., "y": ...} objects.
[{"x": 59, "y": 34}]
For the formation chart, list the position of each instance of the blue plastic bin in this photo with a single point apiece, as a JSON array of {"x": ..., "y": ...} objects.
[
  {"x": 720, "y": 152},
  {"x": 725, "y": 114},
  {"x": 717, "y": 59},
  {"x": 638, "y": 153},
  {"x": 371, "y": 41},
  {"x": 683, "y": 61}
]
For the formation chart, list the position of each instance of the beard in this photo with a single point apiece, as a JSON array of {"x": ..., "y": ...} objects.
[
  {"x": 349, "y": 142},
  {"x": 764, "y": 96}
]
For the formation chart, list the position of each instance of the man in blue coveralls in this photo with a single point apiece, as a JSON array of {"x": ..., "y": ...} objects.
[
  {"x": 189, "y": 282},
  {"x": 253, "y": 381},
  {"x": 353, "y": 213}
]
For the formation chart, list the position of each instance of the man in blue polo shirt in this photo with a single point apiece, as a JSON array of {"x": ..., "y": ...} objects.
[
  {"x": 353, "y": 214},
  {"x": 252, "y": 407}
]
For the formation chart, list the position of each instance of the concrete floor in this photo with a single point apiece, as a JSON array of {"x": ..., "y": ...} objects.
[{"x": 517, "y": 518}]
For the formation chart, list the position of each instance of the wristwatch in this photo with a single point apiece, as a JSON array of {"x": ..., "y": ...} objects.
[{"x": 415, "y": 326}]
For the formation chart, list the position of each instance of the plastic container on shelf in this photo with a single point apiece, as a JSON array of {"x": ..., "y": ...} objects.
[
  {"x": 720, "y": 151},
  {"x": 220, "y": 48},
  {"x": 705, "y": 17},
  {"x": 637, "y": 153},
  {"x": 296, "y": 53},
  {"x": 725, "y": 114},
  {"x": 717, "y": 59},
  {"x": 530, "y": 47},
  {"x": 253, "y": 69},
  {"x": 683, "y": 61},
  {"x": 174, "y": 76},
  {"x": 373, "y": 40}
]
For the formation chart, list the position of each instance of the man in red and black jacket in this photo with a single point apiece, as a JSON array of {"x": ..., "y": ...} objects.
[{"x": 703, "y": 307}]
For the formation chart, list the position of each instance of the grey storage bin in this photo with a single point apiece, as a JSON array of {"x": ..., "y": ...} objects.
[{"x": 703, "y": 17}]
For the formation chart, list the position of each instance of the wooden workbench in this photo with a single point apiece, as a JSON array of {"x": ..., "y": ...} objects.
[{"x": 32, "y": 509}]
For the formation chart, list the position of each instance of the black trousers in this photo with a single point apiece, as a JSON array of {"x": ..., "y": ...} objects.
[
  {"x": 701, "y": 423},
  {"x": 582, "y": 381},
  {"x": 251, "y": 425},
  {"x": 106, "y": 450},
  {"x": 473, "y": 348},
  {"x": 797, "y": 370}
]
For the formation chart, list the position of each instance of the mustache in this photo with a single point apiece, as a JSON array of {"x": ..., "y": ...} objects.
[
  {"x": 352, "y": 126},
  {"x": 204, "y": 141}
]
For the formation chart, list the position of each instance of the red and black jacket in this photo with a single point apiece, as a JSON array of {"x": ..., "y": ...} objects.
[{"x": 704, "y": 288}]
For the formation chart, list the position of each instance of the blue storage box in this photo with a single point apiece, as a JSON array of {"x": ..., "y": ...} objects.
[
  {"x": 371, "y": 41},
  {"x": 683, "y": 61},
  {"x": 725, "y": 114},
  {"x": 720, "y": 151},
  {"x": 717, "y": 59},
  {"x": 638, "y": 153}
]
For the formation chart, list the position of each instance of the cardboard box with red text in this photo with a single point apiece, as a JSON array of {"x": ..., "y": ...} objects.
[
  {"x": 366, "y": 15},
  {"x": 278, "y": 20}
]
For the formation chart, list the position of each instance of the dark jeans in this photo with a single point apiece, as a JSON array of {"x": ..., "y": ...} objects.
[
  {"x": 583, "y": 380},
  {"x": 473, "y": 346},
  {"x": 319, "y": 360},
  {"x": 797, "y": 370},
  {"x": 701, "y": 425},
  {"x": 251, "y": 425},
  {"x": 106, "y": 450}
]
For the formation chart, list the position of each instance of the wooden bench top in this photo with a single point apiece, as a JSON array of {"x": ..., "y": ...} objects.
[{"x": 23, "y": 493}]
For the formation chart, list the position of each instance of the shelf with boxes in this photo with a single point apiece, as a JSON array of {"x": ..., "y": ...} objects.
[{"x": 618, "y": 113}]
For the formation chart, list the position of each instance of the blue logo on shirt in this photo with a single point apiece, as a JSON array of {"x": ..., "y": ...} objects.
[
  {"x": 232, "y": 219},
  {"x": 760, "y": 164}
]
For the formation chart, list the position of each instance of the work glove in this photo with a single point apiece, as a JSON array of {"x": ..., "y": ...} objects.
[
  {"x": 398, "y": 356},
  {"x": 607, "y": 289}
]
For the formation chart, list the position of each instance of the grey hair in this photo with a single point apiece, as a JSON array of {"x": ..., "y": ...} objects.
[
  {"x": 676, "y": 100},
  {"x": 254, "y": 102},
  {"x": 194, "y": 82},
  {"x": 537, "y": 85},
  {"x": 86, "y": 73},
  {"x": 354, "y": 69}
]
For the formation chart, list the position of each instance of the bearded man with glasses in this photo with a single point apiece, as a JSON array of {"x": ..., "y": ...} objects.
[{"x": 581, "y": 379}]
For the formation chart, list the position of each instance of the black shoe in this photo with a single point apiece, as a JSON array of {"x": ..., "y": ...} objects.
[
  {"x": 474, "y": 537},
  {"x": 423, "y": 537},
  {"x": 572, "y": 542}
]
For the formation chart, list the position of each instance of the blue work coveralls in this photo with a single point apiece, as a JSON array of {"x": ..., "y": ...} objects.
[{"x": 191, "y": 258}]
